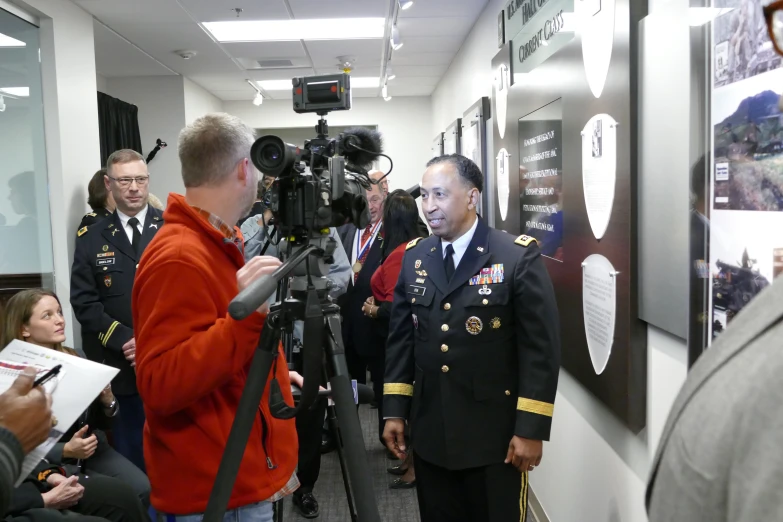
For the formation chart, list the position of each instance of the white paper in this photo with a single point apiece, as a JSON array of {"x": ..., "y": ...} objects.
[
  {"x": 599, "y": 170},
  {"x": 73, "y": 390},
  {"x": 599, "y": 301},
  {"x": 503, "y": 182},
  {"x": 596, "y": 23},
  {"x": 501, "y": 85}
]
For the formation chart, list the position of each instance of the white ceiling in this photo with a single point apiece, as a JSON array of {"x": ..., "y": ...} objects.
[{"x": 139, "y": 37}]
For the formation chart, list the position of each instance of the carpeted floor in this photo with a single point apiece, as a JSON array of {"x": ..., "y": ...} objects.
[{"x": 394, "y": 505}]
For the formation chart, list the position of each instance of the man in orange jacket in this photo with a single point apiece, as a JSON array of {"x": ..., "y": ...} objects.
[{"x": 192, "y": 357}]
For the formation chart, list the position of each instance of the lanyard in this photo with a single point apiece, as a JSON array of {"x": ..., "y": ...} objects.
[{"x": 368, "y": 243}]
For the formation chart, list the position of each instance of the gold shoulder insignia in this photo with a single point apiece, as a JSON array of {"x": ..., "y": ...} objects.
[
  {"x": 525, "y": 240},
  {"x": 81, "y": 232},
  {"x": 91, "y": 214},
  {"x": 412, "y": 244}
]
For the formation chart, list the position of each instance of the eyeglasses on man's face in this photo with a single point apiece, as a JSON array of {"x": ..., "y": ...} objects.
[
  {"x": 141, "y": 181},
  {"x": 773, "y": 13}
]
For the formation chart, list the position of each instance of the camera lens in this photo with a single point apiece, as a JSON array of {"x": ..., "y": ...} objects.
[
  {"x": 270, "y": 153},
  {"x": 273, "y": 156}
]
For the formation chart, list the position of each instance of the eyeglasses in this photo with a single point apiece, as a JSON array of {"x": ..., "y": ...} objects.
[
  {"x": 773, "y": 13},
  {"x": 126, "y": 182}
]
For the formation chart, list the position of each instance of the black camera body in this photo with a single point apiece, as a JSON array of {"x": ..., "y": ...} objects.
[{"x": 322, "y": 183}]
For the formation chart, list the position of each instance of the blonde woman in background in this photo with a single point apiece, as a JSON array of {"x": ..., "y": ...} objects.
[{"x": 153, "y": 200}]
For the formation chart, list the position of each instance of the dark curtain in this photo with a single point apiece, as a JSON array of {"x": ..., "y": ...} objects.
[{"x": 119, "y": 126}]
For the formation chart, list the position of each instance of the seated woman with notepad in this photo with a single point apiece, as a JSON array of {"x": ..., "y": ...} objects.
[{"x": 35, "y": 316}]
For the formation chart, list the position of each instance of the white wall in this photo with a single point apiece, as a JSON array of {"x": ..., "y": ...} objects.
[
  {"x": 199, "y": 102},
  {"x": 71, "y": 127},
  {"x": 161, "y": 103},
  {"x": 101, "y": 82},
  {"x": 594, "y": 469},
  {"x": 404, "y": 122}
]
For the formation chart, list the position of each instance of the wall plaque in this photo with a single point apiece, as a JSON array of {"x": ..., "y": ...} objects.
[
  {"x": 599, "y": 170},
  {"x": 599, "y": 306}
]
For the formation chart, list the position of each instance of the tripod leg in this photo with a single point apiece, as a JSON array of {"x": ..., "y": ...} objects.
[
  {"x": 243, "y": 422},
  {"x": 351, "y": 430},
  {"x": 334, "y": 429}
]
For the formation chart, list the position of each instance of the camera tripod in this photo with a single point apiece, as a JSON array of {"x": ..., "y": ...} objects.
[{"x": 322, "y": 329}]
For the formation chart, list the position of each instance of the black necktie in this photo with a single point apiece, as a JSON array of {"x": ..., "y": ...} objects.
[
  {"x": 448, "y": 262},
  {"x": 134, "y": 224}
]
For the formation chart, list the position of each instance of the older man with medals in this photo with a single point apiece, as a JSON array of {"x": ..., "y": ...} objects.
[
  {"x": 364, "y": 348},
  {"x": 472, "y": 357}
]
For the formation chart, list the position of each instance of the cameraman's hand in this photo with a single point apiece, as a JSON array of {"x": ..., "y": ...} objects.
[
  {"x": 79, "y": 447},
  {"x": 394, "y": 436},
  {"x": 26, "y": 411},
  {"x": 257, "y": 267},
  {"x": 298, "y": 381},
  {"x": 67, "y": 494}
]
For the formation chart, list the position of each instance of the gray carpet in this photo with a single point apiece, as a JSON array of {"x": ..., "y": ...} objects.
[{"x": 394, "y": 505}]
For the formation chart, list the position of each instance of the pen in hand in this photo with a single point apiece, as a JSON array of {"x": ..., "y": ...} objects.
[{"x": 43, "y": 379}]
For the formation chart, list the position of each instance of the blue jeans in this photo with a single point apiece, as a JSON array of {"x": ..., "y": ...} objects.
[{"x": 258, "y": 512}]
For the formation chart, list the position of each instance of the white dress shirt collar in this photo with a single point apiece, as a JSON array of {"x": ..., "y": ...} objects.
[
  {"x": 460, "y": 244},
  {"x": 124, "y": 218}
]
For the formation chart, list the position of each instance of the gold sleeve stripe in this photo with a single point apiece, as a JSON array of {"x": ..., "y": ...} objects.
[
  {"x": 398, "y": 389},
  {"x": 109, "y": 332},
  {"x": 523, "y": 498},
  {"x": 541, "y": 408}
]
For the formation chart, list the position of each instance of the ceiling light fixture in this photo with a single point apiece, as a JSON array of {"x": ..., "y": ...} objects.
[
  {"x": 258, "y": 100},
  {"x": 7, "y": 41},
  {"x": 2, "y": 104},
  {"x": 385, "y": 93},
  {"x": 390, "y": 73},
  {"x": 291, "y": 30},
  {"x": 21, "y": 92},
  {"x": 396, "y": 42},
  {"x": 284, "y": 85},
  {"x": 406, "y": 4}
]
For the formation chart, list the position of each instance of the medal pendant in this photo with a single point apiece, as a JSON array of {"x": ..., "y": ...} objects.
[{"x": 357, "y": 267}]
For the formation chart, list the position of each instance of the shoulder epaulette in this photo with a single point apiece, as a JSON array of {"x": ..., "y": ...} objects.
[
  {"x": 81, "y": 232},
  {"x": 412, "y": 244},
  {"x": 91, "y": 214},
  {"x": 525, "y": 240}
]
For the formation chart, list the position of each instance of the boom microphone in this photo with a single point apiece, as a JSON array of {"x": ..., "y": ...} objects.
[
  {"x": 414, "y": 191},
  {"x": 362, "y": 146}
]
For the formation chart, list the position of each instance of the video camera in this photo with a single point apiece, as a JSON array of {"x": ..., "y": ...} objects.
[{"x": 320, "y": 184}]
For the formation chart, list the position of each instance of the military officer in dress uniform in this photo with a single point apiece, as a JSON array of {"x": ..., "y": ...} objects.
[
  {"x": 100, "y": 200},
  {"x": 104, "y": 268},
  {"x": 472, "y": 357}
]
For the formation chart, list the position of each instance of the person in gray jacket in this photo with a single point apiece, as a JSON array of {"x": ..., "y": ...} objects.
[{"x": 255, "y": 231}]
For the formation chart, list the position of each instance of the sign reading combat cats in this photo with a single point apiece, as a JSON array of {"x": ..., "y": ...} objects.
[{"x": 551, "y": 27}]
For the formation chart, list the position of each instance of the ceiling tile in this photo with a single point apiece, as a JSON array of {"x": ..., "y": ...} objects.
[
  {"x": 266, "y": 50},
  {"x": 429, "y": 44},
  {"x": 216, "y": 11},
  {"x": 111, "y": 11},
  {"x": 223, "y": 82},
  {"x": 340, "y": 9},
  {"x": 115, "y": 57},
  {"x": 444, "y": 8},
  {"x": 366, "y": 52},
  {"x": 279, "y": 74}
]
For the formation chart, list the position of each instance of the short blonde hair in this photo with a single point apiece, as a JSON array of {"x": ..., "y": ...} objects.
[
  {"x": 211, "y": 147},
  {"x": 153, "y": 200},
  {"x": 121, "y": 157}
]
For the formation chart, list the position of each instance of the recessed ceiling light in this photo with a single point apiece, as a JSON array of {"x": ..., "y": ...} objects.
[
  {"x": 290, "y": 30},
  {"x": 22, "y": 92},
  {"x": 7, "y": 41},
  {"x": 406, "y": 4},
  {"x": 284, "y": 85}
]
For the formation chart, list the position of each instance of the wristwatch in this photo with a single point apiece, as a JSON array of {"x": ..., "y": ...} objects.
[{"x": 112, "y": 407}]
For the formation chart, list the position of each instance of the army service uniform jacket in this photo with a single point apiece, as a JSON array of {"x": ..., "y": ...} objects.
[
  {"x": 104, "y": 268},
  {"x": 474, "y": 361},
  {"x": 94, "y": 217}
]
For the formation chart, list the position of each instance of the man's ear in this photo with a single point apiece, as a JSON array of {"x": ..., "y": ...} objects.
[
  {"x": 243, "y": 170},
  {"x": 474, "y": 196},
  {"x": 107, "y": 183}
]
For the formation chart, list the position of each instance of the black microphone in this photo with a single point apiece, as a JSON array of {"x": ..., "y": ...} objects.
[{"x": 361, "y": 146}]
